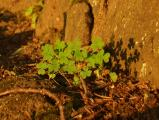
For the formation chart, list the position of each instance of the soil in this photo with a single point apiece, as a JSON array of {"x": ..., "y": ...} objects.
[{"x": 127, "y": 99}]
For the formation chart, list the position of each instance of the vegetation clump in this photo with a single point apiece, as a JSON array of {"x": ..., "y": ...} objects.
[{"x": 72, "y": 59}]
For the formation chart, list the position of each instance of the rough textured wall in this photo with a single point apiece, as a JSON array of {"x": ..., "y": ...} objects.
[
  {"x": 79, "y": 23},
  {"x": 16, "y": 5},
  {"x": 66, "y": 20},
  {"x": 51, "y": 23},
  {"x": 138, "y": 19}
]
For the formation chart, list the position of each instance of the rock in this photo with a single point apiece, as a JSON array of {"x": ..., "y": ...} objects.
[
  {"x": 51, "y": 21},
  {"x": 79, "y": 23}
]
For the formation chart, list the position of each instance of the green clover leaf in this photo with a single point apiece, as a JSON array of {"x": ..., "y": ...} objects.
[
  {"x": 113, "y": 76},
  {"x": 85, "y": 73},
  {"x": 42, "y": 65},
  {"x": 41, "y": 72},
  {"x": 70, "y": 68},
  {"x": 76, "y": 80},
  {"x": 59, "y": 45},
  {"x": 97, "y": 43},
  {"x": 106, "y": 57},
  {"x": 47, "y": 52},
  {"x": 52, "y": 76}
]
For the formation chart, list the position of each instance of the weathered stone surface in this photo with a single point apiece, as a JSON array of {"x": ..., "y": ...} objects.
[
  {"x": 99, "y": 8},
  {"x": 138, "y": 19},
  {"x": 51, "y": 22},
  {"x": 79, "y": 22},
  {"x": 17, "y": 5}
]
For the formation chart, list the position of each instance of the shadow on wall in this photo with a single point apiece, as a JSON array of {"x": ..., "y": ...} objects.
[{"x": 123, "y": 58}]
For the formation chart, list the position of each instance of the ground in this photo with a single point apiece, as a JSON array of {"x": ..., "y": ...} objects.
[{"x": 20, "y": 51}]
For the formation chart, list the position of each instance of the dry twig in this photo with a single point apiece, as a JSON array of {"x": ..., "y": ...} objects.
[{"x": 37, "y": 91}]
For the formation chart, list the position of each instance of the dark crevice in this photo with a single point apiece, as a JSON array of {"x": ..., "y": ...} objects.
[
  {"x": 64, "y": 27},
  {"x": 91, "y": 16},
  {"x": 91, "y": 19}
]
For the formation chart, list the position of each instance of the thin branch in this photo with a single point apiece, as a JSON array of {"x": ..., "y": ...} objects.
[
  {"x": 110, "y": 98},
  {"x": 84, "y": 86},
  {"x": 103, "y": 97},
  {"x": 37, "y": 91},
  {"x": 84, "y": 94}
]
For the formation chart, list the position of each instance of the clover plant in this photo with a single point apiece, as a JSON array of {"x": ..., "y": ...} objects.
[{"x": 73, "y": 59}]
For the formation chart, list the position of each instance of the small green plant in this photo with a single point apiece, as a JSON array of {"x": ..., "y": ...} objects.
[
  {"x": 113, "y": 76},
  {"x": 33, "y": 12},
  {"x": 72, "y": 59}
]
